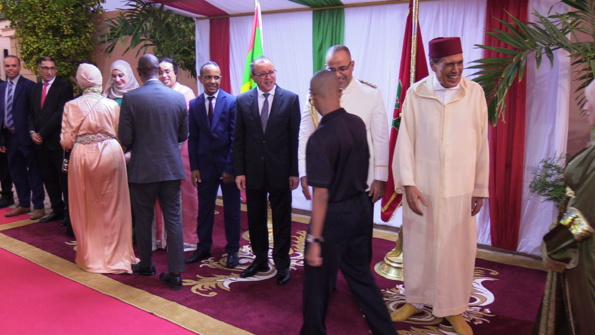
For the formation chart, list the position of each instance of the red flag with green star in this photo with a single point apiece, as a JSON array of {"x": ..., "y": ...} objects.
[{"x": 391, "y": 200}]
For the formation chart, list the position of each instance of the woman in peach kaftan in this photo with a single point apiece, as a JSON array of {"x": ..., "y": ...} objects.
[{"x": 97, "y": 179}]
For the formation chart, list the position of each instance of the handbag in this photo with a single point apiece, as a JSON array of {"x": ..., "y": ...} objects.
[{"x": 66, "y": 154}]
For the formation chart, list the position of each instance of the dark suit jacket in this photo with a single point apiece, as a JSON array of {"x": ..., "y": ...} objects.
[
  {"x": 153, "y": 120},
  {"x": 47, "y": 121},
  {"x": 20, "y": 110},
  {"x": 210, "y": 145},
  {"x": 270, "y": 156}
]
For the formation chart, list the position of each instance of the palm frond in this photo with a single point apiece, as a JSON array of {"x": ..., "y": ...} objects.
[
  {"x": 538, "y": 39},
  {"x": 144, "y": 25}
]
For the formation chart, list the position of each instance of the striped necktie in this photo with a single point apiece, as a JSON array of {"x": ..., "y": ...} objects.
[{"x": 9, "y": 121}]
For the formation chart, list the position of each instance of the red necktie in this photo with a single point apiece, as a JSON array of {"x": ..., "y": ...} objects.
[
  {"x": 210, "y": 111},
  {"x": 44, "y": 92}
]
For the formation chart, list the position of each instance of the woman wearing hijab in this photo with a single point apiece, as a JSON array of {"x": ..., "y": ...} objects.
[
  {"x": 121, "y": 81},
  {"x": 168, "y": 74},
  {"x": 98, "y": 184},
  {"x": 568, "y": 249}
]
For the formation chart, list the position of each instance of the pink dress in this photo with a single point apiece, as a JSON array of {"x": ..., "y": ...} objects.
[
  {"x": 98, "y": 185},
  {"x": 189, "y": 195}
]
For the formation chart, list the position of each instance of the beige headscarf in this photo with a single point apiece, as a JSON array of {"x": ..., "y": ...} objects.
[
  {"x": 111, "y": 91},
  {"x": 88, "y": 75}
]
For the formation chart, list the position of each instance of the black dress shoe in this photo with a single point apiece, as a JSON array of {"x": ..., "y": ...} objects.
[
  {"x": 6, "y": 202},
  {"x": 283, "y": 277},
  {"x": 253, "y": 269},
  {"x": 197, "y": 256},
  {"x": 138, "y": 270},
  {"x": 232, "y": 260},
  {"x": 52, "y": 217},
  {"x": 174, "y": 281}
]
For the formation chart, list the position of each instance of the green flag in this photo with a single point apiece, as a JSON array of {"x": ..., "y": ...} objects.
[{"x": 254, "y": 48}]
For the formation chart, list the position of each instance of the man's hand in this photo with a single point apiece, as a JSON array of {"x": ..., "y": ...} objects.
[
  {"x": 293, "y": 183},
  {"x": 195, "y": 177},
  {"x": 413, "y": 194},
  {"x": 36, "y": 138},
  {"x": 313, "y": 255},
  {"x": 241, "y": 182},
  {"x": 377, "y": 190},
  {"x": 227, "y": 178},
  {"x": 305, "y": 188},
  {"x": 2, "y": 149},
  {"x": 476, "y": 204}
]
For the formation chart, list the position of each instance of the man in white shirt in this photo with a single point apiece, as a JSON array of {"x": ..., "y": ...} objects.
[{"x": 362, "y": 99}]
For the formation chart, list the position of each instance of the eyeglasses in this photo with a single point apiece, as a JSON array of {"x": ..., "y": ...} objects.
[
  {"x": 45, "y": 68},
  {"x": 265, "y": 74},
  {"x": 341, "y": 68}
]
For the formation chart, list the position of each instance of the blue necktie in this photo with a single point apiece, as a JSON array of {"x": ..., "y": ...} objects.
[{"x": 9, "y": 121}]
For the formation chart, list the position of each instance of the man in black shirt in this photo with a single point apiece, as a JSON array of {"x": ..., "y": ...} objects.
[{"x": 340, "y": 231}]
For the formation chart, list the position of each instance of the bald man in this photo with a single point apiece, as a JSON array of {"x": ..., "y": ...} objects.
[
  {"x": 340, "y": 232},
  {"x": 153, "y": 120}
]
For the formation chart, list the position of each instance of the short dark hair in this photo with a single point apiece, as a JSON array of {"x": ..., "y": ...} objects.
[
  {"x": 257, "y": 60},
  {"x": 209, "y": 63},
  {"x": 171, "y": 61},
  {"x": 15, "y": 57},
  {"x": 435, "y": 60},
  {"x": 45, "y": 59},
  {"x": 336, "y": 48}
]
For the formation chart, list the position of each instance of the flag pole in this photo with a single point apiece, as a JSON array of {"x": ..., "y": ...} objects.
[
  {"x": 414, "y": 20},
  {"x": 257, "y": 7},
  {"x": 391, "y": 267}
]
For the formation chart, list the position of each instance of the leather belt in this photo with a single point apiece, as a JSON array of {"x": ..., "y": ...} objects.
[{"x": 10, "y": 131}]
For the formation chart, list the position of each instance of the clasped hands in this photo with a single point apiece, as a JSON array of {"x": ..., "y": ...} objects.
[{"x": 414, "y": 196}]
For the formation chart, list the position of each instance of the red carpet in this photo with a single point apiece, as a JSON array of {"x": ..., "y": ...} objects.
[
  {"x": 506, "y": 299},
  {"x": 38, "y": 301}
]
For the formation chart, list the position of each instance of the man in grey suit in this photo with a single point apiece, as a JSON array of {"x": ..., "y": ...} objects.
[{"x": 153, "y": 120}]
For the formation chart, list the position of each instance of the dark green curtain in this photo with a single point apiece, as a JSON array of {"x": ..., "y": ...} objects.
[{"x": 327, "y": 28}]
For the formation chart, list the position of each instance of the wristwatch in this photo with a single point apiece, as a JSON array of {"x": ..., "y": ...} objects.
[{"x": 311, "y": 239}]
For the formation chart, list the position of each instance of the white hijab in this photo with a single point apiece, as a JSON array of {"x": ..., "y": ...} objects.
[{"x": 111, "y": 91}]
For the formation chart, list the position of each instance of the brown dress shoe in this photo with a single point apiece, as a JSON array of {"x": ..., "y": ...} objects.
[
  {"x": 38, "y": 214},
  {"x": 18, "y": 211}
]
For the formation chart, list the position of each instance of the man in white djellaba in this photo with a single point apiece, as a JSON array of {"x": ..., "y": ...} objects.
[{"x": 441, "y": 165}]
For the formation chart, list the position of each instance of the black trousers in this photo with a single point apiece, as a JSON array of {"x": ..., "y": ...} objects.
[
  {"x": 5, "y": 179},
  {"x": 56, "y": 182},
  {"x": 143, "y": 198},
  {"x": 257, "y": 224},
  {"x": 348, "y": 236}
]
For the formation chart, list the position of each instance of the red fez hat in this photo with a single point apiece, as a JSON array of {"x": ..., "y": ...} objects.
[{"x": 445, "y": 46}]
